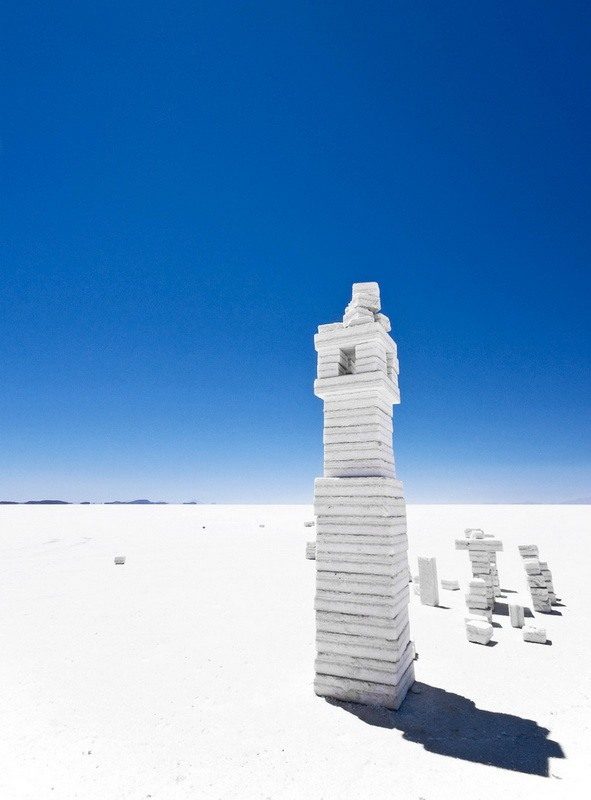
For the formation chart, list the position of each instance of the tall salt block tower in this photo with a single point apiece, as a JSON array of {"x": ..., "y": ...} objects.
[{"x": 364, "y": 652}]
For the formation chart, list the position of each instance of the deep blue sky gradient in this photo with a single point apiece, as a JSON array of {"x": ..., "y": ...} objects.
[{"x": 189, "y": 189}]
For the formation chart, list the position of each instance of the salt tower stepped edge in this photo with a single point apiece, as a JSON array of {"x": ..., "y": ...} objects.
[{"x": 364, "y": 652}]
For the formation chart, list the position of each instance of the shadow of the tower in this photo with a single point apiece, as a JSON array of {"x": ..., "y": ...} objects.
[{"x": 451, "y": 725}]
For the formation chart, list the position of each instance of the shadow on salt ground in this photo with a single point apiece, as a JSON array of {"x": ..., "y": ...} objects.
[
  {"x": 451, "y": 725},
  {"x": 502, "y": 610}
]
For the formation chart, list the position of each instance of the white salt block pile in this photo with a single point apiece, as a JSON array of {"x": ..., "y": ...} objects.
[
  {"x": 478, "y": 631},
  {"x": 482, "y": 588},
  {"x": 364, "y": 652},
  {"x": 516, "y": 615},
  {"x": 479, "y": 599},
  {"x": 451, "y": 584},
  {"x": 547, "y": 575},
  {"x": 119, "y": 559},
  {"x": 478, "y": 533},
  {"x": 537, "y": 586},
  {"x": 429, "y": 589},
  {"x": 311, "y": 550},
  {"x": 309, "y": 524},
  {"x": 533, "y": 633},
  {"x": 538, "y": 577}
]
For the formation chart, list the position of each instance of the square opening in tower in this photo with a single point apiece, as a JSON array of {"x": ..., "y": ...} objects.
[{"x": 347, "y": 361}]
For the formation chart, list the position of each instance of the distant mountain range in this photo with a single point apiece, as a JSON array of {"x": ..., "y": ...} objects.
[
  {"x": 87, "y": 503},
  {"x": 582, "y": 501}
]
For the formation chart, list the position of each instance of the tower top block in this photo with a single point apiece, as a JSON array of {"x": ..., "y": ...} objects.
[{"x": 357, "y": 356}]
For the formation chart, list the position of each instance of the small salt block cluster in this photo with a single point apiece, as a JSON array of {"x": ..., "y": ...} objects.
[
  {"x": 539, "y": 579},
  {"x": 478, "y": 599},
  {"x": 428, "y": 585},
  {"x": 119, "y": 559},
  {"x": 478, "y": 533},
  {"x": 311, "y": 550},
  {"x": 534, "y": 633},
  {"x": 478, "y": 630},
  {"x": 365, "y": 307},
  {"x": 484, "y": 586},
  {"x": 450, "y": 583}
]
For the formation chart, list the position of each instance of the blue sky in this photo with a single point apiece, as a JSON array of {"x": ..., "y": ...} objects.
[{"x": 188, "y": 190}]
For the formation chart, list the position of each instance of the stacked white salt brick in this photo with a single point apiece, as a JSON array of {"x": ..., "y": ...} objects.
[
  {"x": 481, "y": 548},
  {"x": 539, "y": 579},
  {"x": 311, "y": 550},
  {"x": 364, "y": 652},
  {"x": 478, "y": 533}
]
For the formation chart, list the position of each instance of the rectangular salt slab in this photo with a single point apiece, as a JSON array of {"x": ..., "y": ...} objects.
[
  {"x": 479, "y": 544},
  {"x": 516, "y": 615},
  {"x": 477, "y": 602},
  {"x": 536, "y": 581},
  {"x": 528, "y": 550},
  {"x": 486, "y": 613},
  {"x": 450, "y": 583},
  {"x": 478, "y": 632},
  {"x": 532, "y": 566},
  {"x": 532, "y": 633},
  {"x": 119, "y": 559},
  {"x": 429, "y": 591}
]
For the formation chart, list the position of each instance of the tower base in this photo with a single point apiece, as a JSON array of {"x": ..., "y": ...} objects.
[{"x": 364, "y": 652}]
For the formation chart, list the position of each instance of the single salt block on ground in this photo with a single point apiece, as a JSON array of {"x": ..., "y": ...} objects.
[
  {"x": 119, "y": 559},
  {"x": 450, "y": 583},
  {"x": 261, "y": 526},
  {"x": 478, "y": 632},
  {"x": 428, "y": 581},
  {"x": 311, "y": 550},
  {"x": 309, "y": 524},
  {"x": 531, "y": 633},
  {"x": 517, "y": 615}
]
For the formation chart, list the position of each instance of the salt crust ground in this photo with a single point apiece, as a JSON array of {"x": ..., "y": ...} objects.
[{"x": 187, "y": 672}]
